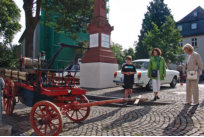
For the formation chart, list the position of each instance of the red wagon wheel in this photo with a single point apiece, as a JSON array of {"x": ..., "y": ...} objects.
[
  {"x": 9, "y": 96},
  {"x": 78, "y": 115},
  {"x": 46, "y": 119}
]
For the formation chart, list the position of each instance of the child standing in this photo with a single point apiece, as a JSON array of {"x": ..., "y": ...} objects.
[{"x": 128, "y": 70}]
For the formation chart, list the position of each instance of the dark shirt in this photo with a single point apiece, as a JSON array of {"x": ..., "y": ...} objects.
[{"x": 128, "y": 68}]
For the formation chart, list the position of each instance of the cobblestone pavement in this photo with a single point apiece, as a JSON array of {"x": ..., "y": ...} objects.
[{"x": 167, "y": 116}]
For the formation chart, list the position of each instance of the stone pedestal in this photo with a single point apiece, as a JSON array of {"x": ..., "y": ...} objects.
[{"x": 97, "y": 75}]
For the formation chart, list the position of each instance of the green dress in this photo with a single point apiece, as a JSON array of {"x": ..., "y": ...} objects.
[{"x": 157, "y": 63}]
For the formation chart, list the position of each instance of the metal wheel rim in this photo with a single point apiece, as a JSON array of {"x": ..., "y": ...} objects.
[
  {"x": 8, "y": 96},
  {"x": 80, "y": 114},
  {"x": 46, "y": 119}
]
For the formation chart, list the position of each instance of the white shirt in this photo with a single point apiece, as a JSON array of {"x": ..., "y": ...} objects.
[{"x": 189, "y": 56}]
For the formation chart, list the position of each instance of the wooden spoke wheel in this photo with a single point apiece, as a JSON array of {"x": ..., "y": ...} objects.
[
  {"x": 46, "y": 119},
  {"x": 9, "y": 96},
  {"x": 78, "y": 115}
]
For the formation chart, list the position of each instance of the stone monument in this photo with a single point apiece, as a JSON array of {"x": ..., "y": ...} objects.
[{"x": 98, "y": 63}]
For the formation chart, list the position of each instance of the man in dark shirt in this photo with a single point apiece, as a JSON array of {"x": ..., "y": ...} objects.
[{"x": 128, "y": 70}]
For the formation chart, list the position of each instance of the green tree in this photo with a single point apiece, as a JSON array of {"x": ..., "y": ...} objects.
[
  {"x": 157, "y": 11},
  {"x": 129, "y": 52},
  {"x": 118, "y": 53},
  {"x": 9, "y": 20},
  {"x": 8, "y": 57},
  {"x": 66, "y": 13},
  {"x": 166, "y": 38}
]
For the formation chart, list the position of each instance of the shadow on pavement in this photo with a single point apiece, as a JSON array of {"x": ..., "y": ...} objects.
[
  {"x": 20, "y": 123},
  {"x": 202, "y": 104},
  {"x": 128, "y": 117},
  {"x": 183, "y": 123},
  {"x": 95, "y": 119},
  {"x": 120, "y": 92}
]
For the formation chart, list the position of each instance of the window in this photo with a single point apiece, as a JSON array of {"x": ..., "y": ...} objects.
[
  {"x": 195, "y": 13},
  {"x": 181, "y": 43},
  {"x": 141, "y": 65},
  {"x": 194, "y": 42},
  {"x": 180, "y": 27},
  {"x": 194, "y": 26}
]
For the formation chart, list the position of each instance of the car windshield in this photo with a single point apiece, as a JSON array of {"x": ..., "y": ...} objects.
[
  {"x": 72, "y": 67},
  {"x": 75, "y": 67},
  {"x": 141, "y": 65}
]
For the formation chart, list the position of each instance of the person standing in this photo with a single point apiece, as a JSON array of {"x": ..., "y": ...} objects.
[
  {"x": 181, "y": 73},
  {"x": 156, "y": 70},
  {"x": 194, "y": 67},
  {"x": 128, "y": 70}
]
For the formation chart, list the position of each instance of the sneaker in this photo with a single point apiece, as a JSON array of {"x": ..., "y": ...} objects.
[
  {"x": 187, "y": 103},
  {"x": 157, "y": 97},
  {"x": 195, "y": 104}
]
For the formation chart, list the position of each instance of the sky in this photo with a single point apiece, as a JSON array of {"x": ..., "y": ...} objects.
[{"x": 126, "y": 16}]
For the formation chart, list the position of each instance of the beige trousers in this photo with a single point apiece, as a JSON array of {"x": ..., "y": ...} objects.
[{"x": 192, "y": 90}]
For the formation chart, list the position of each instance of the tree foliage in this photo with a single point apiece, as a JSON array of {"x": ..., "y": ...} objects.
[
  {"x": 9, "y": 20},
  {"x": 69, "y": 16},
  {"x": 156, "y": 14},
  {"x": 118, "y": 53},
  {"x": 129, "y": 52},
  {"x": 8, "y": 57},
  {"x": 166, "y": 38}
]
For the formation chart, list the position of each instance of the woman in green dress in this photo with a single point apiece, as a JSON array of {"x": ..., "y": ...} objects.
[{"x": 156, "y": 71}]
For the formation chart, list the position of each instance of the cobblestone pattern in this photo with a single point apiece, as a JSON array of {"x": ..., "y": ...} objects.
[{"x": 171, "y": 118}]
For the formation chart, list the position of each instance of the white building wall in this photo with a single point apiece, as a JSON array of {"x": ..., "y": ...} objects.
[{"x": 36, "y": 41}]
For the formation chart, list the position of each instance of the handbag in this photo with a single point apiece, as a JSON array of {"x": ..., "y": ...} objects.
[
  {"x": 192, "y": 75},
  {"x": 154, "y": 73}
]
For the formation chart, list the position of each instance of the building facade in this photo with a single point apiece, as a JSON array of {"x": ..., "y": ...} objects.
[{"x": 192, "y": 30}]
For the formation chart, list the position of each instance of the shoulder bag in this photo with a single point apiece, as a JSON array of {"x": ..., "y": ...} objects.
[{"x": 192, "y": 75}]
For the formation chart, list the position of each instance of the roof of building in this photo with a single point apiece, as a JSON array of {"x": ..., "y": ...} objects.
[
  {"x": 197, "y": 17},
  {"x": 190, "y": 17}
]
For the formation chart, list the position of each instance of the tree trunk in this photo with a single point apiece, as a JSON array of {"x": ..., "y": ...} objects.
[
  {"x": 31, "y": 23},
  {"x": 29, "y": 41}
]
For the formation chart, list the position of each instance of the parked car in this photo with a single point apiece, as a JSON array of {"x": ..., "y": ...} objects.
[{"x": 141, "y": 78}]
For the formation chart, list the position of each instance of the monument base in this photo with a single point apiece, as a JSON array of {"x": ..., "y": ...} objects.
[{"x": 97, "y": 75}]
